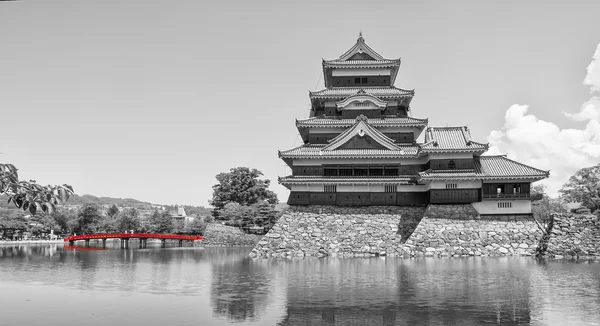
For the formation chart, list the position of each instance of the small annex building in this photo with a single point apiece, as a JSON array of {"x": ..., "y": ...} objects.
[{"x": 360, "y": 148}]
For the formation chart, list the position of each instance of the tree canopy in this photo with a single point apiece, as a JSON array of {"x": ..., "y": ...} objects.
[
  {"x": 584, "y": 188},
  {"x": 28, "y": 195},
  {"x": 241, "y": 185}
]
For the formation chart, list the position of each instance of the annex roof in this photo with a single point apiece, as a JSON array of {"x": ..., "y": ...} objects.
[
  {"x": 488, "y": 168},
  {"x": 451, "y": 139},
  {"x": 361, "y": 128},
  {"x": 316, "y": 122},
  {"x": 389, "y": 92}
]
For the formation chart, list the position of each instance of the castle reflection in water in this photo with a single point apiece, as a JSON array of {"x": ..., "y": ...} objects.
[{"x": 233, "y": 288}]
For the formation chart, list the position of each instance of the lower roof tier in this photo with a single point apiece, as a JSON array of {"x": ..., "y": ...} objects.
[{"x": 484, "y": 168}]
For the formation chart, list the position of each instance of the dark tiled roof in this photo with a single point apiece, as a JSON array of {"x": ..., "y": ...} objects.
[
  {"x": 354, "y": 179},
  {"x": 361, "y": 128},
  {"x": 343, "y": 92},
  {"x": 362, "y": 63},
  {"x": 316, "y": 151},
  {"x": 451, "y": 139},
  {"x": 488, "y": 167},
  {"x": 500, "y": 166},
  {"x": 375, "y": 122}
]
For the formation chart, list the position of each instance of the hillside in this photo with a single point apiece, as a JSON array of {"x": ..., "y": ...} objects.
[{"x": 77, "y": 200}]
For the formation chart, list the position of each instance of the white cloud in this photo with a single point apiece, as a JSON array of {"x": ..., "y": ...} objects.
[
  {"x": 544, "y": 145},
  {"x": 590, "y": 110},
  {"x": 592, "y": 78}
]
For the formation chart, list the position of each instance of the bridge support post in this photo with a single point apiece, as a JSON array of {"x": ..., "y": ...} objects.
[
  {"x": 71, "y": 243},
  {"x": 181, "y": 243},
  {"x": 87, "y": 242},
  {"x": 145, "y": 242},
  {"x": 122, "y": 243},
  {"x": 163, "y": 242},
  {"x": 126, "y": 243},
  {"x": 103, "y": 243}
]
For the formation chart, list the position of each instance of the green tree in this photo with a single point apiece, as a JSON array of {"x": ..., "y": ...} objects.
[
  {"x": 197, "y": 226},
  {"x": 238, "y": 215},
  {"x": 28, "y": 195},
  {"x": 161, "y": 222},
  {"x": 583, "y": 188},
  {"x": 128, "y": 219},
  {"x": 88, "y": 219},
  {"x": 543, "y": 209},
  {"x": 113, "y": 211},
  {"x": 241, "y": 185}
]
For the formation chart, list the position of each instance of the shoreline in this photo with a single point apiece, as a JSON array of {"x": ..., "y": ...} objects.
[{"x": 9, "y": 242}]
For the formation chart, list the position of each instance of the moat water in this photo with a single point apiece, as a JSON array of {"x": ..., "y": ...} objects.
[{"x": 53, "y": 285}]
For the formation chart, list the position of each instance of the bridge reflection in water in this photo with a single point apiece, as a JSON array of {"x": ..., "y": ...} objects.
[{"x": 124, "y": 237}]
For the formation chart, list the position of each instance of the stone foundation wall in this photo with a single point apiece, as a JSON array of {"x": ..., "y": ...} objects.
[
  {"x": 455, "y": 212},
  {"x": 506, "y": 235},
  {"x": 217, "y": 234},
  {"x": 439, "y": 230},
  {"x": 573, "y": 237}
]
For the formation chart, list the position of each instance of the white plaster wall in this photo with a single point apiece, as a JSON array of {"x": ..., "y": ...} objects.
[
  {"x": 445, "y": 156},
  {"x": 491, "y": 207},
  {"x": 460, "y": 184},
  {"x": 406, "y": 161},
  {"x": 360, "y": 188},
  {"x": 309, "y": 187},
  {"x": 341, "y": 72}
]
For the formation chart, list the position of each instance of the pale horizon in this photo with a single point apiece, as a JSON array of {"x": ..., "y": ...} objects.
[{"x": 152, "y": 100}]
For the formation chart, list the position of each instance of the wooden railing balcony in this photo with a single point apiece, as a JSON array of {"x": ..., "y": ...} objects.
[{"x": 512, "y": 196}]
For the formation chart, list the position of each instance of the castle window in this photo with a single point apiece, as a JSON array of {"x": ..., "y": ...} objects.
[
  {"x": 357, "y": 80},
  {"x": 451, "y": 165},
  {"x": 365, "y": 80},
  {"x": 360, "y": 171},
  {"x": 345, "y": 172},
  {"x": 330, "y": 172},
  {"x": 451, "y": 185},
  {"x": 390, "y": 171},
  {"x": 516, "y": 189},
  {"x": 391, "y": 188},
  {"x": 504, "y": 205},
  {"x": 330, "y": 188}
]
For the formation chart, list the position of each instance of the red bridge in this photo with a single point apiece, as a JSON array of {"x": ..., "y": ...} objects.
[{"x": 143, "y": 237}]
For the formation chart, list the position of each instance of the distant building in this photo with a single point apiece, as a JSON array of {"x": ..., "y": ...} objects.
[{"x": 360, "y": 148}]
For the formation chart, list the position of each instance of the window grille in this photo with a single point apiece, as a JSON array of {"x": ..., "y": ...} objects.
[
  {"x": 504, "y": 205},
  {"x": 330, "y": 172},
  {"x": 391, "y": 188},
  {"x": 451, "y": 185},
  {"x": 361, "y": 104},
  {"x": 451, "y": 165},
  {"x": 330, "y": 188}
]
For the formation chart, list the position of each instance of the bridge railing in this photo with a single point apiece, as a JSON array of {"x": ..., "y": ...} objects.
[{"x": 132, "y": 235}]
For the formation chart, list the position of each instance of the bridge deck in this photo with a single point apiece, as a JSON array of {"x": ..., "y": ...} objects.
[{"x": 132, "y": 235}]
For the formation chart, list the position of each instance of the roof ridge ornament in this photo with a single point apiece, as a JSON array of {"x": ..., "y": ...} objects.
[
  {"x": 361, "y": 117},
  {"x": 360, "y": 37}
]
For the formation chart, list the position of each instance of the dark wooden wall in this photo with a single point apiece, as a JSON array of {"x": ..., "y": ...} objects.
[
  {"x": 437, "y": 164},
  {"x": 358, "y": 198},
  {"x": 454, "y": 196},
  {"x": 318, "y": 170}
]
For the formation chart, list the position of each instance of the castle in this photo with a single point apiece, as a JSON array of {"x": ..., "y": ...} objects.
[{"x": 361, "y": 148}]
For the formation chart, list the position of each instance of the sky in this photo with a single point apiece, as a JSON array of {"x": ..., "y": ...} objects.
[{"x": 152, "y": 99}]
